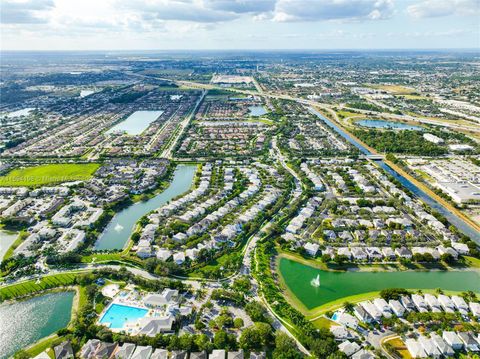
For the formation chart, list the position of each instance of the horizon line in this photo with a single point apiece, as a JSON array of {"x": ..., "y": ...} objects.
[{"x": 474, "y": 49}]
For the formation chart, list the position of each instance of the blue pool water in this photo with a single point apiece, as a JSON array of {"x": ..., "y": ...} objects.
[
  {"x": 335, "y": 316},
  {"x": 117, "y": 315}
]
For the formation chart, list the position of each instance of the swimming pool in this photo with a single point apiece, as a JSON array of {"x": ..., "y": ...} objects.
[{"x": 117, "y": 315}]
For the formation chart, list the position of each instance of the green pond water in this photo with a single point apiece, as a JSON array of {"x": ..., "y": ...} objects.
[
  {"x": 335, "y": 285},
  {"x": 25, "y": 322},
  {"x": 119, "y": 229}
]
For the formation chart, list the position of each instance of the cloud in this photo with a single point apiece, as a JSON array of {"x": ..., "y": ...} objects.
[
  {"x": 25, "y": 12},
  {"x": 242, "y": 6},
  {"x": 180, "y": 10},
  {"x": 322, "y": 10},
  {"x": 439, "y": 8}
]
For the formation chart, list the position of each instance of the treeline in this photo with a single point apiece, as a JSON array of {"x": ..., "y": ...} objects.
[
  {"x": 405, "y": 141},
  {"x": 320, "y": 342}
]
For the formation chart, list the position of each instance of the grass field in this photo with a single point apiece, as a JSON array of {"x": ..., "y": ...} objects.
[
  {"x": 399, "y": 345},
  {"x": 48, "y": 174},
  {"x": 33, "y": 286},
  {"x": 395, "y": 89}
]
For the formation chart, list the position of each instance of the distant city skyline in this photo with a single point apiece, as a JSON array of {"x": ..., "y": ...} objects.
[{"x": 239, "y": 24}]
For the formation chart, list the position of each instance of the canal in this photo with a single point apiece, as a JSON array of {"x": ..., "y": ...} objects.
[
  {"x": 451, "y": 217},
  {"x": 118, "y": 231},
  {"x": 25, "y": 322}
]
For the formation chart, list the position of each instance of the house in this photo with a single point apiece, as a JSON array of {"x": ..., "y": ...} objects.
[
  {"x": 218, "y": 354},
  {"x": 344, "y": 251},
  {"x": 89, "y": 348},
  {"x": 341, "y": 333},
  {"x": 445, "y": 349},
  {"x": 347, "y": 320},
  {"x": 178, "y": 354},
  {"x": 403, "y": 252},
  {"x": 164, "y": 254},
  {"x": 358, "y": 254},
  {"x": 151, "y": 326},
  {"x": 383, "y": 307},
  {"x": 363, "y": 354},
  {"x": 142, "y": 352},
  {"x": 374, "y": 253},
  {"x": 388, "y": 253},
  {"x": 362, "y": 314},
  {"x": 95, "y": 349},
  {"x": 460, "y": 248},
  {"x": 433, "y": 303},
  {"x": 371, "y": 309},
  {"x": 415, "y": 348},
  {"x": 125, "y": 351},
  {"x": 429, "y": 347},
  {"x": 460, "y": 304},
  {"x": 348, "y": 347},
  {"x": 446, "y": 303},
  {"x": 447, "y": 250},
  {"x": 160, "y": 299},
  {"x": 64, "y": 350},
  {"x": 475, "y": 309},
  {"x": 311, "y": 248},
  {"x": 469, "y": 341},
  {"x": 159, "y": 354},
  {"x": 260, "y": 355},
  {"x": 235, "y": 354},
  {"x": 407, "y": 302},
  {"x": 452, "y": 339},
  {"x": 198, "y": 355},
  {"x": 397, "y": 307},
  {"x": 420, "y": 303},
  {"x": 179, "y": 258}
]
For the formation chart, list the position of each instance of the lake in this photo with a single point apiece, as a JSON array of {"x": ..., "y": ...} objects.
[
  {"x": 6, "y": 240},
  {"x": 22, "y": 112},
  {"x": 257, "y": 110},
  {"x": 136, "y": 123},
  {"x": 85, "y": 93},
  {"x": 336, "y": 285},
  {"x": 118, "y": 231},
  {"x": 25, "y": 322},
  {"x": 390, "y": 125}
]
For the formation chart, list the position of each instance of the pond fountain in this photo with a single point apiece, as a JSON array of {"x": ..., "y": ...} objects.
[{"x": 315, "y": 282}]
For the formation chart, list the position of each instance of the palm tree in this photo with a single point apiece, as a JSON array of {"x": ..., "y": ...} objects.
[{"x": 348, "y": 306}]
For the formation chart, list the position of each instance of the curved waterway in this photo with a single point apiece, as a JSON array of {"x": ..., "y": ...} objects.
[
  {"x": 25, "y": 322},
  {"x": 451, "y": 217},
  {"x": 118, "y": 231},
  {"x": 336, "y": 285}
]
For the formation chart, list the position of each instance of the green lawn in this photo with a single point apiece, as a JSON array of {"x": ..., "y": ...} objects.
[
  {"x": 32, "y": 286},
  {"x": 48, "y": 174}
]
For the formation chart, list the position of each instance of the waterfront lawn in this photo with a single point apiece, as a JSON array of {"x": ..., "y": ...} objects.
[
  {"x": 48, "y": 174},
  {"x": 34, "y": 286},
  {"x": 323, "y": 323}
]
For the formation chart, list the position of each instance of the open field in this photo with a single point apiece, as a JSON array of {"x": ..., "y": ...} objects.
[
  {"x": 394, "y": 89},
  {"x": 48, "y": 174}
]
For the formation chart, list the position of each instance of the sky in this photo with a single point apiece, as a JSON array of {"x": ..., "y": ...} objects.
[{"x": 238, "y": 24}]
